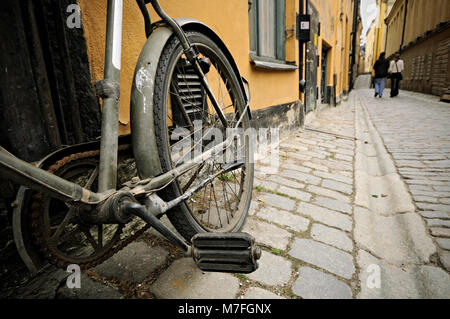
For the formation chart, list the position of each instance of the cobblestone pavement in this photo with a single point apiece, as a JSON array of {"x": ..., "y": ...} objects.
[
  {"x": 335, "y": 219},
  {"x": 415, "y": 129}
]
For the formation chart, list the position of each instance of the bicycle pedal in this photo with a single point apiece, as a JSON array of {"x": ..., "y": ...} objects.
[{"x": 225, "y": 252}]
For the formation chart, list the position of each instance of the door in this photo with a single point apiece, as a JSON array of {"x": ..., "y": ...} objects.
[
  {"x": 324, "y": 75},
  {"x": 312, "y": 61}
]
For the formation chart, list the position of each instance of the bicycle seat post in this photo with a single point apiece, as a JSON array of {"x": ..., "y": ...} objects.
[{"x": 110, "y": 88}]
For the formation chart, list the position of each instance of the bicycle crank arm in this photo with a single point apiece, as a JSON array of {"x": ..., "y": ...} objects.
[
  {"x": 133, "y": 208},
  {"x": 215, "y": 252}
]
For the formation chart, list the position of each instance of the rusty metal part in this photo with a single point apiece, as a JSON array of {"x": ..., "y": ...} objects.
[
  {"x": 49, "y": 251},
  {"x": 110, "y": 211}
]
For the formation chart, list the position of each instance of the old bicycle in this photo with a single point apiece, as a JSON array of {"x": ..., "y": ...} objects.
[{"x": 76, "y": 205}]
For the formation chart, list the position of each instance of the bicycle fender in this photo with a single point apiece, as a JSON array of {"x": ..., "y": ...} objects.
[
  {"x": 143, "y": 137},
  {"x": 142, "y": 92}
]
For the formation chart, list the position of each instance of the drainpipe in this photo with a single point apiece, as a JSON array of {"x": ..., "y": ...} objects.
[
  {"x": 387, "y": 33},
  {"x": 305, "y": 44},
  {"x": 354, "y": 32},
  {"x": 404, "y": 26},
  {"x": 300, "y": 59},
  {"x": 302, "y": 62}
]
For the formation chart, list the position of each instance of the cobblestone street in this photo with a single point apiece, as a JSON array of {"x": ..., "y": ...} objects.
[{"x": 359, "y": 207}]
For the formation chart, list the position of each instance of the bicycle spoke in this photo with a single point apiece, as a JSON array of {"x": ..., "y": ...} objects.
[
  {"x": 217, "y": 206},
  {"x": 100, "y": 235},
  {"x": 192, "y": 179},
  {"x": 228, "y": 199},
  {"x": 69, "y": 235},
  {"x": 203, "y": 201},
  {"x": 63, "y": 224},
  {"x": 92, "y": 178},
  {"x": 89, "y": 237}
]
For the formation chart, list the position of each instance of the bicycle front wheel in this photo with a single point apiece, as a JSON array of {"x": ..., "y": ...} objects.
[{"x": 186, "y": 124}]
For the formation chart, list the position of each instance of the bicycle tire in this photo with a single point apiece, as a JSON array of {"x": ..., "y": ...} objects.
[{"x": 183, "y": 217}]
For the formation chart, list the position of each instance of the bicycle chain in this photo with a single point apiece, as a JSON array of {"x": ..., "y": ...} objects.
[{"x": 38, "y": 236}]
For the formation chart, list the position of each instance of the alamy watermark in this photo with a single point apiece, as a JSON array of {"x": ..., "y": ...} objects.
[
  {"x": 74, "y": 18},
  {"x": 74, "y": 279},
  {"x": 225, "y": 146},
  {"x": 373, "y": 280}
]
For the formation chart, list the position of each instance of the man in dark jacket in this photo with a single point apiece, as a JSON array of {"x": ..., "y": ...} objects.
[{"x": 381, "y": 68}]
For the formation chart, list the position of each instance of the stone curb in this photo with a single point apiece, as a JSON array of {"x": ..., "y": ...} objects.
[
  {"x": 378, "y": 186},
  {"x": 386, "y": 223}
]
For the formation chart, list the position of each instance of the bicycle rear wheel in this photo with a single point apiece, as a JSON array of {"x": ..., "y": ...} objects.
[{"x": 185, "y": 124}]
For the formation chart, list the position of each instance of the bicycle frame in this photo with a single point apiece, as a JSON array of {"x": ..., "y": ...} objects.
[{"x": 42, "y": 181}]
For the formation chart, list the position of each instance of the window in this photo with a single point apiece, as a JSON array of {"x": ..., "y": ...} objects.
[{"x": 267, "y": 29}]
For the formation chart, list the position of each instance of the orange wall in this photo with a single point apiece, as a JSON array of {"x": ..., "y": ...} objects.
[
  {"x": 228, "y": 18},
  {"x": 335, "y": 32}
]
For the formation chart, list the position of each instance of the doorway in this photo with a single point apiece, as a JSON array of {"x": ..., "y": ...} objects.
[{"x": 324, "y": 94}]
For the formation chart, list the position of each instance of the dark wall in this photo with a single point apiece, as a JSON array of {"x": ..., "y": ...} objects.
[
  {"x": 47, "y": 99},
  {"x": 67, "y": 66},
  {"x": 21, "y": 128}
]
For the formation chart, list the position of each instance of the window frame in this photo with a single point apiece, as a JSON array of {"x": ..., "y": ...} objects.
[{"x": 279, "y": 41}]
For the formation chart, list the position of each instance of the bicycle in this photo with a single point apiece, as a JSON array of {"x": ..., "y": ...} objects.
[{"x": 184, "y": 78}]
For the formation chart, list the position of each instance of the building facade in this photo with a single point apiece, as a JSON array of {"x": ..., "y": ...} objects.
[
  {"x": 420, "y": 32},
  {"x": 328, "y": 57},
  {"x": 265, "y": 48}
]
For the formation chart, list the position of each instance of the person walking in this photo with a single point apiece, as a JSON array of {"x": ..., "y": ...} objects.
[
  {"x": 381, "y": 68},
  {"x": 395, "y": 71}
]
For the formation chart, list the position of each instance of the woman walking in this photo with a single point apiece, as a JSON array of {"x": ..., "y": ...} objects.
[
  {"x": 381, "y": 68},
  {"x": 395, "y": 70}
]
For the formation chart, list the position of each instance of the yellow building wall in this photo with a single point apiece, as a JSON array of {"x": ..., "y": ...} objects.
[
  {"x": 395, "y": 27},
  {"x": 370, "y": 39},
  {"x": 376, "y": 36},
  {"x": 327, "y": 12},
  {"x": 229, "y": 19},
  {"x": 422, "y": 16},
  {"x": 379, "y": 30},
  {"x": 358, "y": 54},
  {"x": 336, "y": 19}
]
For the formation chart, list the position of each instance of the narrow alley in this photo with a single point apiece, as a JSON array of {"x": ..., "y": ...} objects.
[{"x": 359, "y": 207}]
